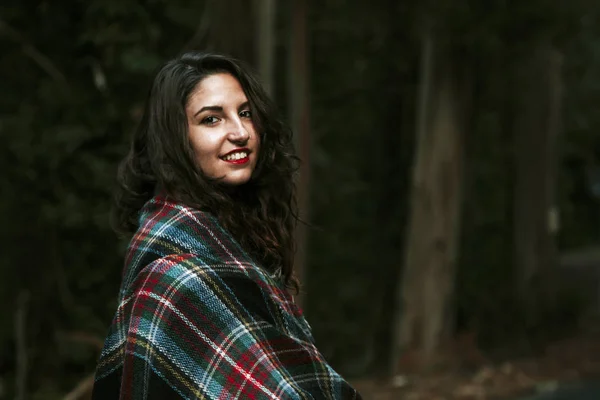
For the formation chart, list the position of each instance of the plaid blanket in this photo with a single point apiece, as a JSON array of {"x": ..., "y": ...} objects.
[{"x": 197, "y": 319}]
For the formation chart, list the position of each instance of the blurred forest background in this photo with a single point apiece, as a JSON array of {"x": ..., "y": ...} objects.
[{"x": 451, "y": 173}]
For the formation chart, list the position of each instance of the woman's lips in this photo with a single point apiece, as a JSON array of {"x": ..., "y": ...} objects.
[
  {"x": 237, "y": 156},
  {"x": 239, "y": 161}
]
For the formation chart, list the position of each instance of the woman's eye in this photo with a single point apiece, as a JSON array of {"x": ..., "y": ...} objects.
[
  {"x": 246, "y": 114},
  {"x": 209, "y": 120}
]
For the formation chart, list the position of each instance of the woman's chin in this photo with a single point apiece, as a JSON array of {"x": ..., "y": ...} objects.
[{"x": 236, "y": 179}]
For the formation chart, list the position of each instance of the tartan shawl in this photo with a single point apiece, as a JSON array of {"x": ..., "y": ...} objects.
[{"x": 198, "y": 319}]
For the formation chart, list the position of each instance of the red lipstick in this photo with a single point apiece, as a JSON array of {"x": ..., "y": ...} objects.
[{"x": 243, "y": 160}]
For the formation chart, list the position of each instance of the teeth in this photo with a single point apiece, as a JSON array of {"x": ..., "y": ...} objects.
[{"x": 235, "y": 156}]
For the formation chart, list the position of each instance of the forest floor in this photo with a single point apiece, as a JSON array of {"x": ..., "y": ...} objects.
[{"x": 562, "y": 362}]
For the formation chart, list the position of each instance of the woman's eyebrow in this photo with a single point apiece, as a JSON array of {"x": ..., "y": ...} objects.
[{"x": 209, "y": 108}]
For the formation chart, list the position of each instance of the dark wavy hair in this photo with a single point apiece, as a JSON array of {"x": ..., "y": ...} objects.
[{"x": 260, "y": 214}]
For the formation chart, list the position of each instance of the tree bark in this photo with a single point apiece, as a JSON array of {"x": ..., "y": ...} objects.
[
  {"x": 427, "y": 285},
  {"x": 231, "y": 21},
  {"x": 298, "y": 91},
  {"x": 537, "y": 121},
  {"x": 22, "y": 356},
  {"x": 265, "y": 43}
]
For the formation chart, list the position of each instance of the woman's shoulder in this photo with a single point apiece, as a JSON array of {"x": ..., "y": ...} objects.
[
  {"x": 169, "y": 231},
  {"x": 167, "y": 227},
  {"x": 176, "y": 242},
  {"x": 219, "y": 289}
]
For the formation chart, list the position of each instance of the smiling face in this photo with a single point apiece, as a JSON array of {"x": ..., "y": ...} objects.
[{"x": 221, "y": 131}]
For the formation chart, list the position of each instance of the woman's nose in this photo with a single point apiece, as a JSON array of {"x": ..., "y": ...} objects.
[{"x": 238, "y": 132}]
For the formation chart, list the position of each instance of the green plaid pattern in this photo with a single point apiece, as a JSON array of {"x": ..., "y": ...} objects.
[{"x": 198, "y": 319}]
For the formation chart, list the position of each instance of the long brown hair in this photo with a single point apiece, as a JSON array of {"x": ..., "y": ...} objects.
[{"x": 260, "y": 214}]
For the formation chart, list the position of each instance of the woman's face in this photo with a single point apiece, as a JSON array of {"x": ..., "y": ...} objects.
[{"x": 221, "y": 131}]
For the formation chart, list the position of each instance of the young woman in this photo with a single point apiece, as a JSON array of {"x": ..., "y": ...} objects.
[{"x": 205, "y": 310}]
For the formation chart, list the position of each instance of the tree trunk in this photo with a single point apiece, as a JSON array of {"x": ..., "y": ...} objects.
[
  {"x": 298, "y": 85},
  {"x": 231, "y": 20},
  {"x": 427, "y": 285},
  {"x": 535, "y": 214},
  {"x": 265, "y": 43}
]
